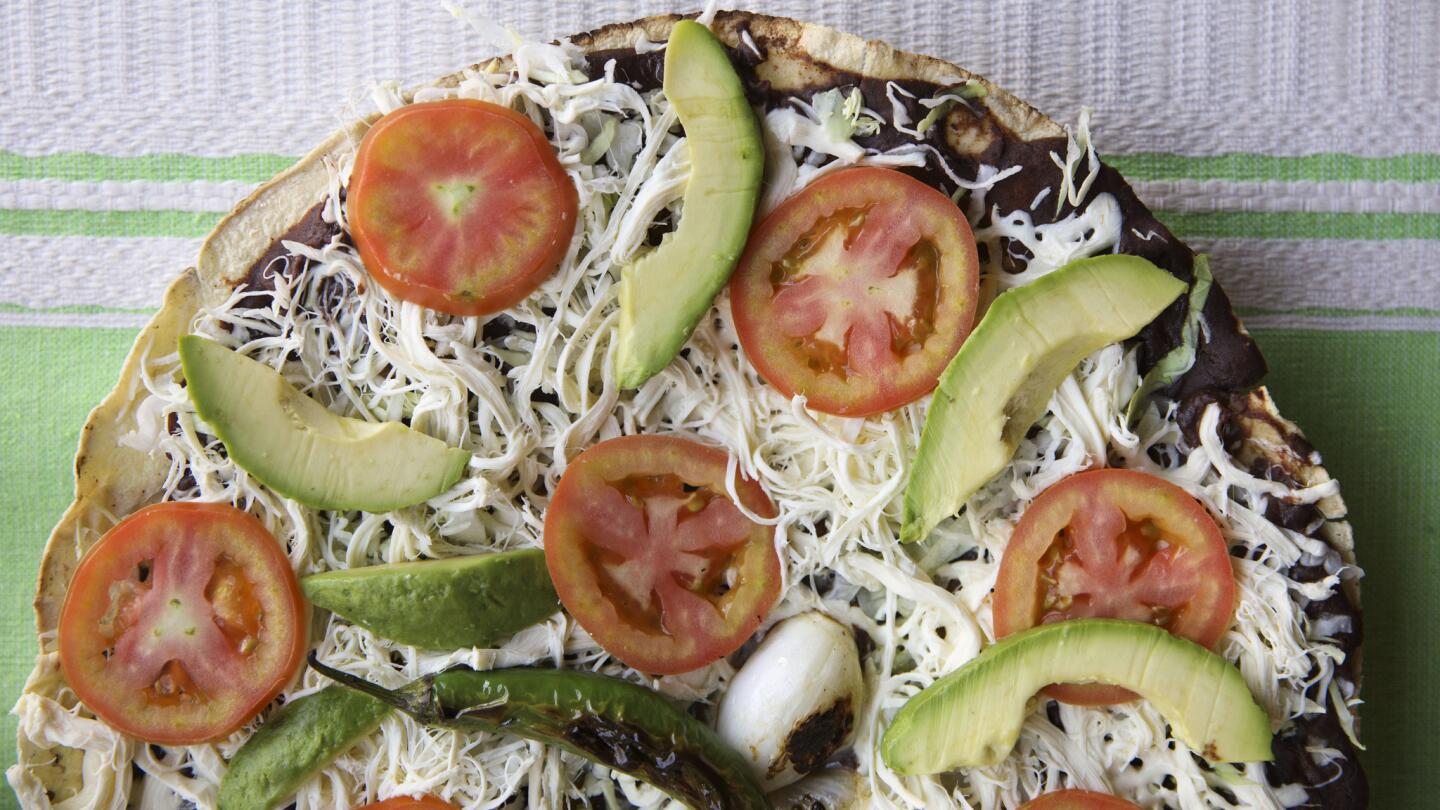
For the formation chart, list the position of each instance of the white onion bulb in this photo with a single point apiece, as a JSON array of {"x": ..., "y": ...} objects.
[{"x": 794, "y": 702}]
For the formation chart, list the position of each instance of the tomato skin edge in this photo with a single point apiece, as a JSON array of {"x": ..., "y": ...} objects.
[
  {"x": 426, "y": 800},
  {"x": 521, "y": 284},
  {"x": 96, "y": 702},
  {"x": 585, "y": 598},
  {"x": 750, "y": 308},
  {"x": 1073, "y": 799}
]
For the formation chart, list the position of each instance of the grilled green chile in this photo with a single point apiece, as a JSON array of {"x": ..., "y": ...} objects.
[{"x": 618, "y": 724}]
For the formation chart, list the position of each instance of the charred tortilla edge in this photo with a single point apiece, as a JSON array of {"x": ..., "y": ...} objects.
[{"x": 112, "y": 480}]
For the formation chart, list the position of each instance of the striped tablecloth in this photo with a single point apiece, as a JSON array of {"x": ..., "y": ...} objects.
[{"x": 1298, "y": 143}]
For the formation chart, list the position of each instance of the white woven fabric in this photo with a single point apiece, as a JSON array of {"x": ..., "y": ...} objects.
[{"x": 274, "y": 76}]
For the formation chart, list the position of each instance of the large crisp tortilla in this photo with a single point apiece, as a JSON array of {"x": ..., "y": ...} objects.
[{"x": 113, "y": 480}]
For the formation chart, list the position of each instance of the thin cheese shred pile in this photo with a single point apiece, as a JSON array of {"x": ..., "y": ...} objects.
[{"x": 528, "y": 390}]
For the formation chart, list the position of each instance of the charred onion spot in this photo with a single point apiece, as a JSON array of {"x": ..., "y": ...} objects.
[{"x": 813, "y": 741}]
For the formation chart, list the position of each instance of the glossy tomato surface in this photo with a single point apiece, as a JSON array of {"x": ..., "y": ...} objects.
[
  {"x": 1077, "y": 800},
  {"x": 426, "y": 802},
  {"x": 654, "y": 559},
  {"x": 857, "y": 291},
  {"x": 1117, "y": 544},
  {"x": 182, "y": 623},
  {"x": 460, "y": 206}
]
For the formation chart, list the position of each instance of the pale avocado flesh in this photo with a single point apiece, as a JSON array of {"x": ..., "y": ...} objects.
[
  {"x": 664, "y": 294},
  {"x": 1005, "y": 373},
  {"x": 972, "y": 717},
  {"x": 293, "y": 445},
  {"x": 474, "y": 601}
]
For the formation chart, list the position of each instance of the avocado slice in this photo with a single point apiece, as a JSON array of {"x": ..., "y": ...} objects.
[
  {"x": 293, "y": 445},
  {"x": 666, "y": 293},
  {"x": 474, "y": 601},
  {"x": 972, "y": 717},
  {"x": 304, "y": 736},
  {"x": 1003, "y": 376}
]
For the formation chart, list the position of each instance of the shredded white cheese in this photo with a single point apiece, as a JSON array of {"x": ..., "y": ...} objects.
[{"x": 528, "y": 397}]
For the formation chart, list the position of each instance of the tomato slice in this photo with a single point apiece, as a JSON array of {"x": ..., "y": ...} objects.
[
  {"x": 1078, "y": 800},
  {"x": 1116, "y": 544},
  {"x": 652, "y": 557},
  {"x": 857, "y": 291},
  {"x": 461, "y": 206},
  {"x": 426, "y": 802},
  {"x": 182, "y": 623}
]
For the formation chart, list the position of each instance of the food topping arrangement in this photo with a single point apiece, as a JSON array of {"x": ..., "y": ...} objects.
[{"x": 690, "y": 421}]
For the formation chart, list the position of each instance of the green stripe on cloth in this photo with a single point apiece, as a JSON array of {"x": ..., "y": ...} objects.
[
  {"x": 76, "y": 309},
  {"x": 1186, "y": 224},
  {"x": 78, "y": 222},
  {"x": 1299, "y": 225},
  {"x": 1243, "y": 166},
  {"x": 1368, "y": 401},
  {"x": 53, "y": 378},
  {"x": 1247, "y": 166},
  {"x": 253, "y": 168},
  {"x": 1341, "y": 312}
]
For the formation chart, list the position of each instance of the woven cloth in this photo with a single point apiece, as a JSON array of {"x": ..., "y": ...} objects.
[{"x": 1296, "y": 142}]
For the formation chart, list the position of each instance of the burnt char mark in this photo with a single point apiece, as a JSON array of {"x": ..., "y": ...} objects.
[
  {"x": 812, "y": 742},
  {"x": 311, "y": 230},
  {"x": 1299, "y": 517},
  {"x": 643, "y": 71},
  {"x": 1337, "y": 786},
  {"x": 629, "y": 749},
  {"x": 1227, "y": 359},
  {"x": 1192, "y": 408},
  {"x": 747, "y": 57}
]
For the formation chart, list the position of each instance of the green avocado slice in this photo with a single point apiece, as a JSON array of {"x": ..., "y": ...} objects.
[
  {"x": 297, "y": 741},
  {"x": 972, "y": 717},
  {"x": 474, "y": 601},
  {"x": 666, "y": 293},
  {"x": 1003, "y": 376},
  {"x": 293, "y": 445}
]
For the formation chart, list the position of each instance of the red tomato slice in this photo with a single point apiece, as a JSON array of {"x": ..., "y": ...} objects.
[
  {"x": 1078, "y": 800},
  {"x": 654, "y": 560},
  {"x": 857, "y": 291},
  {"x": 1116, "y": 544},
  {"x": 182, "y": 623},
  {"x": 426, "y": 802},
  {"x": 460, "y": 206}
]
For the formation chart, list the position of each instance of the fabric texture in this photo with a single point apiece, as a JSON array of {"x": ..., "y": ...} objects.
[{"x": 1294, "y": 142}]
